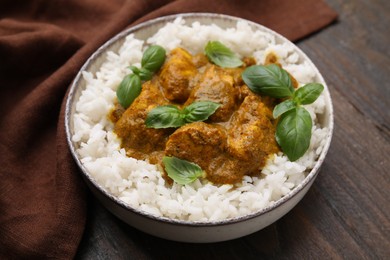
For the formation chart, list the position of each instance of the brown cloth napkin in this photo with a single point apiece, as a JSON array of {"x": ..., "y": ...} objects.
[{"x": 43, "y": 43}]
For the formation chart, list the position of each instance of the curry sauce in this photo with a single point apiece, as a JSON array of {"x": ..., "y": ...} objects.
[{"x": 235, "y": 141}]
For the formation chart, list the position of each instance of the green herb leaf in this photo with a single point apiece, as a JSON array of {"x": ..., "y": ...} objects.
[
  {"x": 270, "y": 80},
  {"x": 128, "y": 90},
  {"x": 164, "y": 117},
  {"x": 131, "y": 86},
  {"x": 308, "y": 93},
  {"x": 181, "y": 171},
  {"x": 153, "y": 58},
  {"x": 199, "y": 111},
  {"x": 293, "y": 132},
  {"x": 283, "y": 107},
  {"x": 171, "y": 116},
  {"x": 221, "y": 55},
  {"x": 143, "y": 73},
  {"x": 135, "y": 69}
]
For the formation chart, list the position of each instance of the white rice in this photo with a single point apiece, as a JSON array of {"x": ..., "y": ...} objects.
[{"x": 139, "y": 183}]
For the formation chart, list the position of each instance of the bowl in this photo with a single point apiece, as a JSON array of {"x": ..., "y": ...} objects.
[{"x": 180, "y": 230}]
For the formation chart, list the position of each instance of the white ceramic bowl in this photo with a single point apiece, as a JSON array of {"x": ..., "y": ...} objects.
[{"x": 199, "y": 232}]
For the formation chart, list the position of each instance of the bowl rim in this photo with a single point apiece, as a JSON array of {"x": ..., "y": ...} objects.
[{"x": 169, "y": 18}]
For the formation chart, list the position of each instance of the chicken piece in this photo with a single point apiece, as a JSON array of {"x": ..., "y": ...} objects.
[
  {"x": 200, "y": 60},
  {"x": 217, "y": 86},
  {"x": 137, "y": 139},
  {"x": 176, "y": 74},
  {"x": 205, "y": 145},
  {"x": 251, "y": 134},
  {"x": 229, "y": 170},
  {"x": 245, "y": 91},
  {"x": 197, "y": 142},
  {"x": 236, "y": 72}
]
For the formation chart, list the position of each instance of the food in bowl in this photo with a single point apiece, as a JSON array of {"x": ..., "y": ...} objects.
[
  {"x": 101, "y": 140},
  {"x": 197, "y": 111}
]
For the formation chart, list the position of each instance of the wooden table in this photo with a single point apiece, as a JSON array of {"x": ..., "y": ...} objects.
[{"x": 346, "y": 213}]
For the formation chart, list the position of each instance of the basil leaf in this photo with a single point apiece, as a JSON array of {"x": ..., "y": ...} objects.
[
  {"x": 164, "y": 117},
  {"x": 221, "y": 55},
  {"x": 153, "y": 58},
  {"x": 143, "y": 73},
  {"x": 200, "y": 111},
  {"x": 135, "y": 70},
  {"x": 270, "y": 80},
  {"x": 308, "y": 93},
  {"x": 171, "y": 116},
  {"x": 293, "y": 132},
  {"x": 283, "y": 107},
  {"x": 181, "y": 171},
  {"x": 128, "y": 90}
]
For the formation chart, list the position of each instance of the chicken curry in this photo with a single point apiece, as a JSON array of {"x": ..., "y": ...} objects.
[{"x": 235, "y": 141}]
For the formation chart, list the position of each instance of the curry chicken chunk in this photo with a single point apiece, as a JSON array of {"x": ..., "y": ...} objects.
[
  {"x": 251, "y": 133},
  {"x": 201, "y": 143},
  {"x": 176, "y": 75},
  {"x": 235, "y": 141},
  {"x": 216, "y": 85},
  {"x": 139, "y": 141}
]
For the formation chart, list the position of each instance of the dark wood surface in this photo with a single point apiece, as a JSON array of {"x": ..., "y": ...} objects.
[{"x": 346, "y": 213}]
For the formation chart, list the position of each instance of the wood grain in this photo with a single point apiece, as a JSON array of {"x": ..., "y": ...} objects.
[{"x": 346, "y": 214}]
